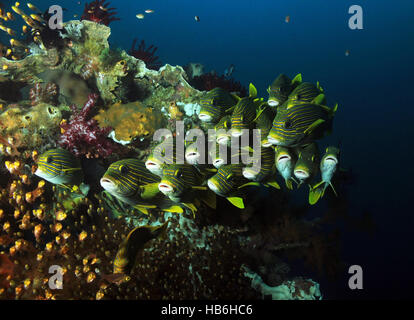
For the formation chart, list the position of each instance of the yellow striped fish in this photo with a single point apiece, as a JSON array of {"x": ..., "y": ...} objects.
[
  {"x": 214, "y": 105},
  {"x": 161, "y": 155},
  {"x": 265, "y": 170},
  {"x": 227, "y": 182},
  {"x": 307, "y": 164},
  {"x": 300, "y": 124},
  {"x": 59, "y": 166},
  {"x": 285, "y": 161},
  {"x": 222, "y": 130},
  {"x": 306, "y": 92},
  {"x": 264, "y": 122},
  {"x": 245, "y": 112},
  {"x": 135, "y": 242},
  {"x": 281, "y": 88},
  {"x": 179, "y": 178}
]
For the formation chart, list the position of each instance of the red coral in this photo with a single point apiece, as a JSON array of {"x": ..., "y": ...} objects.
[
  {"x": 84, "y": 137},
  {"x": 146, "y": 54},
  {"x": 99, "y": 12},
  {"x": 209, "y": 81}
]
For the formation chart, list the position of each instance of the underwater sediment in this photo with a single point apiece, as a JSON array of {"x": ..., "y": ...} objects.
[{"x": 103, "y": 107}]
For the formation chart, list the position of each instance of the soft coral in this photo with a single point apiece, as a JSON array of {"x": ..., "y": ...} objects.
[{"x": 83, "y": 136}]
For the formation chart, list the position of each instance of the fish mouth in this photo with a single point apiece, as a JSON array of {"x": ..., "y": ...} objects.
[
  {"x": 273, "y": 140},
  {"x": 204, "y": 117},
  {"x": 249, "y": 174},
  {"x": 283, "y": 158},
  {"x": 165, "y": 188},
  {"x": 222, "y": 140},
  {"x": 213, "y": 187},
  {"x": 152, "y": 166},
  {"x": 273, "y": 103},
  {"x": 236, "y": 133},
  {"x": 331, "y": 159},
  {"x": 218, "y": 163},
  {"x": 192, "y": 157},
  {"x": 301, "y": 174},
  {"x": 266, "y": 144},
  {"x": 108, "y": 184}
]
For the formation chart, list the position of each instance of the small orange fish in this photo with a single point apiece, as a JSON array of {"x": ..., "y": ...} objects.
[{"x": 287, "y": 19}]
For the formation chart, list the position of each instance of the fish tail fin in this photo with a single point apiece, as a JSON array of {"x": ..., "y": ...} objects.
[
  {"x": 289, "y": 184},
  {"x": 210, "y": 199},
  {"x": 237, "y": 202},
  {"x": 315, "y": 194},
  {"x": 190, "y": 206}
]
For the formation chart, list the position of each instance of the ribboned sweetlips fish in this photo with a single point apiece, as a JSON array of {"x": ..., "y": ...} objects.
[
  {"x": 307, "y": 164},
  {"x": 280, "y": 89},
  {"x": 215, "y": 103},
  {"x": 134, "y": 242},
  {"x": 161, "y": 155},
  {"x": 328, "y": 166},
  {"x": 59, "y": 166},
  {"x": 285, "y": 160},
  {"x": 245, "y": 112},
  {"x": 300, "y": 124},
  {"x": 306, "y": 92},
  {"x": 130, "y": 181}
]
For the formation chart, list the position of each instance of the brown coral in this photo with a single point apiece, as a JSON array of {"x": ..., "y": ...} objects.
[{"x": 131, "y": 120}]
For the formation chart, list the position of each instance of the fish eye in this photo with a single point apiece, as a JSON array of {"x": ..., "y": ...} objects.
[
  {"x": 49, "y": 159},
  {"x": 288, "y": 124},
  {"x": 123, "y": 169}
]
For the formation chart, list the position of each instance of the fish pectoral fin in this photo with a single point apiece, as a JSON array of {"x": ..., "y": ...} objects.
[
  {"x": 319, "y": 99},
  {"x": 297, "y": 79},
  {"x": 273, "y": 184},
  {"x": 237, "y": 202},
  {"x": 333, "y": 189},
  {"x": 235, "y": 96},
  {"x": 256, "y": 184},
  {"x": 174, "y": 209},
  {"x": 313, "y": 126},
  {"x": 202, "y": 188},
  {"x": 318, "y": 185},
  {"x": 230, "y": 110},
  {"x": 252, "y": 91}
]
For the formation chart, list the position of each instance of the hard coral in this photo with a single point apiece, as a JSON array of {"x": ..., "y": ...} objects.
[
  {"x": 209, "y": 81},
  {"x": 99, "y": 12},
  {"x": 131, "y": 120},
  {"x": 83, "y": 136},
  {"x": 46, "y": 93},
  {"x": 146, "y": 54}
]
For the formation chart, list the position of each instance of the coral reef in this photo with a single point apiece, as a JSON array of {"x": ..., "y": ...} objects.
[
  {"x": 98, "y": 11},
  {"x": 82, "y": 135},
  {"x": 46, "y": 93},
  {"x": 146, "y": 54},
  {"x": 130, "y": 121},
  {"x": 209, "y": 81}
]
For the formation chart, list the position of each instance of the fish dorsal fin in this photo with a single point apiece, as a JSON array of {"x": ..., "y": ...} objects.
[
  {"x": 297, "y": 79},
  {"x": 252, "y": 91},
  {"x": 268, "y": 89},
  {"x": 261, "y": 109},
  {"x": 319, "y": 99},
  {"x": 313, "y": 126},
  {"x": 237, "y": 202},
  {"x": 318, "y": 85}
]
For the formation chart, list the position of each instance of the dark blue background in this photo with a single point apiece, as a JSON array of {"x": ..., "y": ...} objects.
[{"x": 373, "y": 86}]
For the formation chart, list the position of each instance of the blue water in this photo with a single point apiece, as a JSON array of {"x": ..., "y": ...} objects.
[{"x": 373, "y": 86}]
